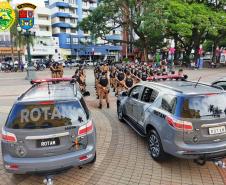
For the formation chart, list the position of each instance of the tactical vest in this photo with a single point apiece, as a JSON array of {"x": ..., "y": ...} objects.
[
  {"x": 103, "y": 81},
  {"x": 129, "y": 82},
  {"x": 144, "y": 76}
]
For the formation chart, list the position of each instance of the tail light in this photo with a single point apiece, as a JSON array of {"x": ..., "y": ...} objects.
[
  {"x": 179, "y": 125},
  {"x": 85, "y": 129},
  {"x": 8, "y": 137},
  {"x": 11, "y": 166}
]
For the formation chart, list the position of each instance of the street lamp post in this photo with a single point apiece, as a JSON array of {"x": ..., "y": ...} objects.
[
  {"x": 18, "y": 47},
  {"x": 30, "y": 67}
]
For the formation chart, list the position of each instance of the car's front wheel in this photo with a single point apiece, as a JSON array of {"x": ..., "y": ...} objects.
[
  {"x": 155, "y": 146},
  {"x": 120, "y": 112}
]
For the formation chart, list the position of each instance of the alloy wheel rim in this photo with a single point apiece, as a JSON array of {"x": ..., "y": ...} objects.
[{"x": 154, "y": 146}]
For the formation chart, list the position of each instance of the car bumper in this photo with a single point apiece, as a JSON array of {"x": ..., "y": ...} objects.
[
  {"x": 48, "y": 164},
  {"x": 196, "y": 151}
]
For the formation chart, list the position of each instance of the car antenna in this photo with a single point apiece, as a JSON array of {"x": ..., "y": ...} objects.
[{"x": 198, "y": 81}]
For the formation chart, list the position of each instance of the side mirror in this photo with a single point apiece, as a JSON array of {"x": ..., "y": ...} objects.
[
  {"x": 135, "y": 95},
  {"x": 86, "y": 93},
  {"x": 124, "y": 93}
]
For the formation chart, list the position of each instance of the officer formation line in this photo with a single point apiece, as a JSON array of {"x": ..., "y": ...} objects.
[{"x": 118, "y": 77}]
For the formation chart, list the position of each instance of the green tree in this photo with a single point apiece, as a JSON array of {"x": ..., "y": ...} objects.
[
  {"x": 189, "y": 24},
  {"x": 142, "y": 18}
]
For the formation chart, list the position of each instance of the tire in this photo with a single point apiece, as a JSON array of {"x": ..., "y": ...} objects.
[
  {"x": 155, "y": 146},
  {"x": 120, "y": 113},
  {"x": 94, "y": 159}
]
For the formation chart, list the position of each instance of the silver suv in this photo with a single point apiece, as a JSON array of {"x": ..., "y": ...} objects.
[
  {"x": 49, "y": 128},
  {"x": 181, "y": 118}
]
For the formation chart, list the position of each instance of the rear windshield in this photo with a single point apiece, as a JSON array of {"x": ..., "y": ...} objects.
[
  {"x": 206, "y": 106},
  {"x": 38, "y": 116}
]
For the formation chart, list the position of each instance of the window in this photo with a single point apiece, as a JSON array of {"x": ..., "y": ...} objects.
[
  {"x": 75, "y": 40},
  {"x": 68, "y": 41},
  {"x": 43, "y": 28},
  {"x": 134, "y": 92},
  {"x": 72, "y": 1},
  {"x": 149, "y": 95},
  {"x": 62, "y": 19},
  {"x": 43, "y": 17},
  {"x": 169, "y": 103},
  {"x": 36, "y": 116},
  {"x": 72, "y": 20},
  {"x": 63, "y": 30},
  {"x": 73, "y": 30},
  {"x": 61, "y": 9},
  {"x": 72, "y": 11},
  {"x": 208, "y": 106},
  {"x": 221, "y": 84}
]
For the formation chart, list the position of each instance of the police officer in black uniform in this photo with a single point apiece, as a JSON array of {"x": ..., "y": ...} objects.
[
  {"x": 120, "y": 81},
  {"x": 129, "y": 80},
  {"x": 103, "y": 89}
]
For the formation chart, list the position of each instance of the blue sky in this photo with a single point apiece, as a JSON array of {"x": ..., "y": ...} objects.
[{"x": 39, "y": 3}]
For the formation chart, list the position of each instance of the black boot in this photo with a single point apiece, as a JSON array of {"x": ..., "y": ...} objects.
[
  {"x": 108, "y": 106},
  {"x": 100, "y": 106}
]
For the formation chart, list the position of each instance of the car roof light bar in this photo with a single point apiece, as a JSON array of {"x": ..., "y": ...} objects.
[
  {"x": 39, "y": 81},
  {"x": 164, "y": 77}
]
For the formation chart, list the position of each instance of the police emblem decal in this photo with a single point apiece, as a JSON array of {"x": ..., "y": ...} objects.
[
  {"x": 7, "y": 16},
  {"x": 26, "y": 15}
]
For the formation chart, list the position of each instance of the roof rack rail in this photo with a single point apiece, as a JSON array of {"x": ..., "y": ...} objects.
[
  {"x": 165, "y": 77},
  {"x": 39, "y": 81},
  {"x": 208, "y": 85}
]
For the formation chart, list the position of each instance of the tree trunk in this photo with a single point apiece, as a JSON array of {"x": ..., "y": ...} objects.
[
  {"x": 145, "y": 54},
  {"x": 187, "y": 55}
]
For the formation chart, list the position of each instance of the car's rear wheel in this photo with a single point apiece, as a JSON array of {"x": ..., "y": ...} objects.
[
  {"x": 155, "y": 146},
  {"x": 94, "y": 159},
  {"x": 120, "y": 113}
]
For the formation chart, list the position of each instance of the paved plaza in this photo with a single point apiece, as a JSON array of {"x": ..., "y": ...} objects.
[{"x": 122, "y": 156}]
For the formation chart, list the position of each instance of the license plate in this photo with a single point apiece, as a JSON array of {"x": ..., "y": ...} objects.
[
  {"x": 217, "y": 130},
  {"x": 48, "y": 142}
]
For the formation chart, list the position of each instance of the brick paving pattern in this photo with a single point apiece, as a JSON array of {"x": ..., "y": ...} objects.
[{"x": 122, "y": 156}]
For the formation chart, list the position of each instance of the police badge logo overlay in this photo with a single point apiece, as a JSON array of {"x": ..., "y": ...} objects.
[
  {"x": 26, "y": 15},
  {"x": 7, "y": 16}
]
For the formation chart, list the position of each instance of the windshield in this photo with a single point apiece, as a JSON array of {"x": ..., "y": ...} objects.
[
  {"x": 36, "y": 116},
  {"x": 212, "y": 106}
]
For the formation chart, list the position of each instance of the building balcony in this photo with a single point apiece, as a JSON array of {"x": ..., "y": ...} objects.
[
  {"x": 63, "y": 4},
  {"x": 73, "y": 15},
  {"x": 61, "y": 14},
  {"x": 62, "y": 25}
]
